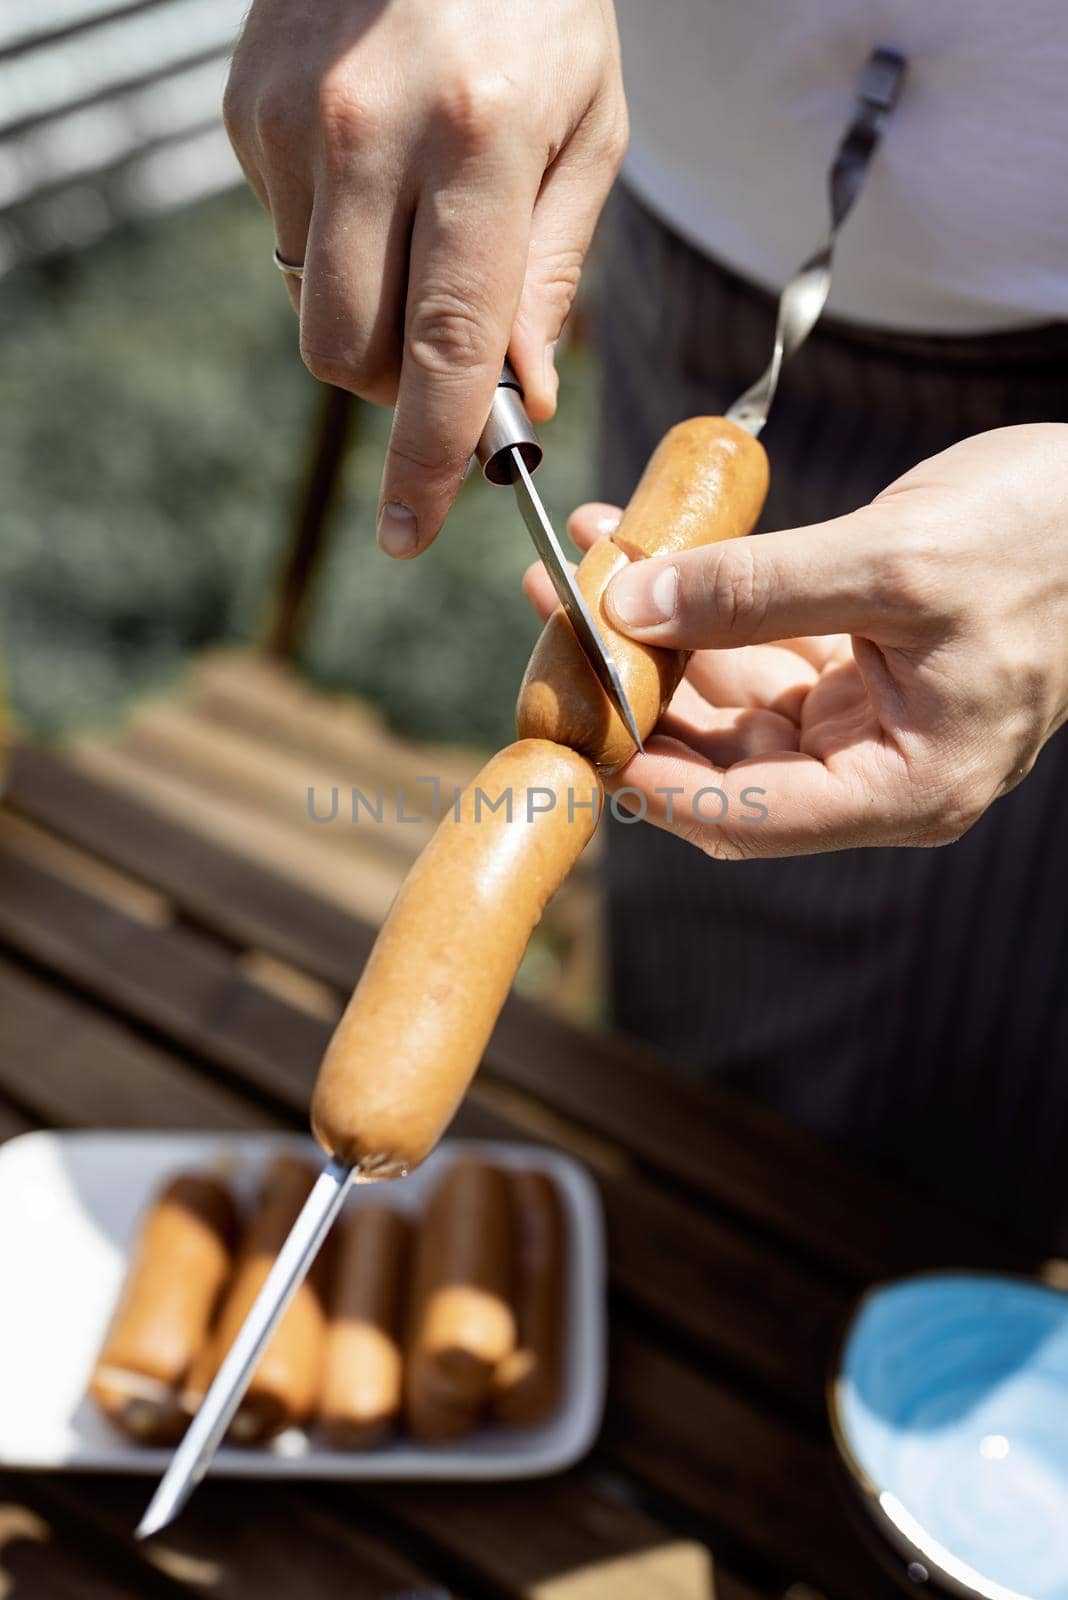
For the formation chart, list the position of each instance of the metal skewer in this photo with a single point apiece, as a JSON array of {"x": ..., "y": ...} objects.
[
  {"x": 804, "y": 297},
  {"x": 204, "y": 1435}
]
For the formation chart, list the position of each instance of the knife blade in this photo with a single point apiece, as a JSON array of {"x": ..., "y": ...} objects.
[
  {"x": 568, "y": 593},
  {"x": 508, "y": 452}
]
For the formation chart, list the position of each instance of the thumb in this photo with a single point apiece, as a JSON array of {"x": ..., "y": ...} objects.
[{"x": 833, "y": 577}]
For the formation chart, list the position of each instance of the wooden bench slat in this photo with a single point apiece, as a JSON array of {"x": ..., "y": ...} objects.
[
  {"x": 565, "y": 1539},
  {"x": 751, "y": 1475},
  {"x": 68, "y": 1064},
  {"x": 169, "y": 978},
  {"x": 254, "y": 695},
  {"x": 75, "y": 865},
  {"x": 525, "y": 1541},
  {"x": 717, "y": 1144},
  {"x": 254, "y": 794},
  {"x": 363, "y": 886},
  {"x": 208, "y": 883},
  {"x": 738, "y": 1154},
  {"x": 252, "y": 1541},
  {"x": 275, "y": 782},
  {"x": 44, "y": 1556}
]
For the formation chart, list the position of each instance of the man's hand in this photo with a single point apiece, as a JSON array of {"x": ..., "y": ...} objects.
[
  {"x": 438, "y": 166},
  {"x": 881, "y": 678}
]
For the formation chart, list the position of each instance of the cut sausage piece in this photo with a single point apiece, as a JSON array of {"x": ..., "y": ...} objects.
[
  {"x": 180, "y": 1265},
  {"x": 705, "y": 481},
  {"x": 285, "y": 1385},
  {"x": 410, "y": 1041},
  {"x": 526, "y": 1384},
  {"x": 364, "y": 1361},
  {"x": 561, "y": 699},
  {"x": 462, "y": 1325}
]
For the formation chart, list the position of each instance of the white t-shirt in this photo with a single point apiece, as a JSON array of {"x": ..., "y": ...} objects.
[{"x": 738, "y": 105}]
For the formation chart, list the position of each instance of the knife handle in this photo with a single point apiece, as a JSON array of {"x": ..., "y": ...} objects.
[
  {"x": 705, "y": 481},
  {"x": 507, "y": 428}
]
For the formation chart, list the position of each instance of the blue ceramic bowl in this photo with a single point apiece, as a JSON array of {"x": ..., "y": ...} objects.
[{"x": 950, "y": 1408}]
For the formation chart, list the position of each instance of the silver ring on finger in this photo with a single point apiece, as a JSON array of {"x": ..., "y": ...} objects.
[{"x": 292, "y": 269}]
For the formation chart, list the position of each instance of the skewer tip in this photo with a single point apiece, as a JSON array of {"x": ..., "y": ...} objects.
[{"x": 154, "y": 1519}]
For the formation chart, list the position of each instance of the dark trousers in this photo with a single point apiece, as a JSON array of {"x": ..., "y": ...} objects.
[{"x": 911, "y": 1005}]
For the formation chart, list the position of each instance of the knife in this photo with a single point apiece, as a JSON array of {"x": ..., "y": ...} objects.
[{"x": 509, "y": 452}]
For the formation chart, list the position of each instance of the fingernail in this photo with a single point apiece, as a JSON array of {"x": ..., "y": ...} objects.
[
  {"x": 644, "y": 594},
  {"x": 608, "y": 522},
  {"x": 398, "y": 531}
]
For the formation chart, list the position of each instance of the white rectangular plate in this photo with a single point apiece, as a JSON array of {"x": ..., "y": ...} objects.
[{"x": 69, "y": 1208}]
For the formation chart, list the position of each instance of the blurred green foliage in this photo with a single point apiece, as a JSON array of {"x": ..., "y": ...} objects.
[{"x": 155, "y": 424}]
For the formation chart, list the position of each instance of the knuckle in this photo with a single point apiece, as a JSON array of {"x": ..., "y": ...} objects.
[
  {"x": 235, "y": 110},
  {"x": 353, "y": 359},
  {"x": 473, "y": 109},
  {"x": 348, "y": 117},
  {"x": 407, "y": 453},
  {"x": 445, "y": 334},
  {"x": 559, "y": 285},
  {"x": 737, "y": 591},
  {"x": 276, "y": 120},
  {"x": 433, "y": 463},
  {"x": 331, "y": 366},
  {"x": 378, "y": 377}
]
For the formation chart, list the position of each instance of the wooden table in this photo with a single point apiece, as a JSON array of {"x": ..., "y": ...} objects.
[{"x": 150, "y": 978}]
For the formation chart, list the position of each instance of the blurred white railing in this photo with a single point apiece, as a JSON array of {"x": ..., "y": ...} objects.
[{"x": 108, "y": 110}]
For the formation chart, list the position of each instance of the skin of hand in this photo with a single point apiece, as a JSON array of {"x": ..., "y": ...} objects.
[
  {"x": 438, "y": 166},
  {"x": 880, "y": 679}
]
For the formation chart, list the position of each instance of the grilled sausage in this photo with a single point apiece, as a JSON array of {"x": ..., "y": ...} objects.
[
  {"x": 285, "y": 1385},
  {"x": 462, "y": 1324},
  {"x": 364, "y": 1361},
  {"x": 180, "y": 1265},
  {"x": 705, "y": 481},
  {"x": 414, "y": 1031},
  {"x": 526, "y": 1384}
]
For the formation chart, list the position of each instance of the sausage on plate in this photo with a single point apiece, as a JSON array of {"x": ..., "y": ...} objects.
[
  {"x": 363, "y": 1364},
  {"x": 462, "y": 1324},
  {"x": 526, "y": 1384},
  {"x": 180, "y": 1265},
  {"x": 285, "y": 1385}
]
